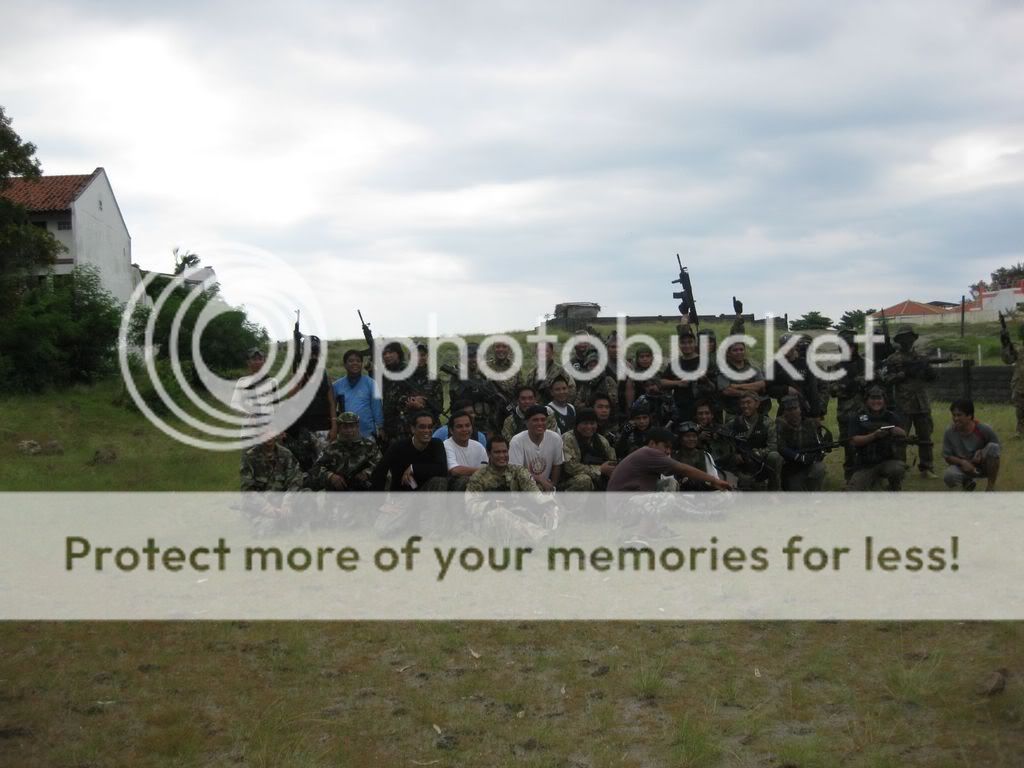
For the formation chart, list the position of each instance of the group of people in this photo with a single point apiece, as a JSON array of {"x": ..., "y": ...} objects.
[{"x": 617, "y": 431}]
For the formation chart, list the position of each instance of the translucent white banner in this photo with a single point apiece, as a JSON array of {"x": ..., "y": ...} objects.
[{"x": 500, "y": 556}]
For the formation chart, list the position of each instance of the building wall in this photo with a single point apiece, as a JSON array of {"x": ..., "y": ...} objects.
[
  {"x": 66, "y": 237},
  {"x": 946, "y": 318},
  {"x": 101, "y": 238}
]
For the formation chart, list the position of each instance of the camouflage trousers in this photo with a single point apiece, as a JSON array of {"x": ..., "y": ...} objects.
[
  {"x": 305, "y": 446},
  {"x": 582, "y": 483},
  {"x": 869, "y": 478},
  {"x": 922, "y": 426}
]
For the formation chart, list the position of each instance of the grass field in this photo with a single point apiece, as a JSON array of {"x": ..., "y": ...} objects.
[{"x": 471, "y": 694}]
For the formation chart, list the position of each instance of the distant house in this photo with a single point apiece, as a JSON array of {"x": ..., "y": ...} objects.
[
  {"x": 82, "y": 213},
  {"x": 575, "y": 314},
  {"x": 984, "y": 308}
]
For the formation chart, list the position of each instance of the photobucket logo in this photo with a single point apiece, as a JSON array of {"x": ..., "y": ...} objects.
[
  {"x": 224, "y": 414},
  {"x": 818, "y": 356}
]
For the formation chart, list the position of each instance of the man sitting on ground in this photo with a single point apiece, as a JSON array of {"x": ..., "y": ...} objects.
[
  {"x": 417, "y": 462},
  {"x": 873, "y": 434},
  {"x": 465, "y": 456},
  {"x": 538, "y": 448},
  {"x": 589, "y": 459},
  {"x": 970, "y": 448}
]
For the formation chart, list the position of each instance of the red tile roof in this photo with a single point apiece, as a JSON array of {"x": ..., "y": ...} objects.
[
  {"x": 48, "y": 193},
  {"x": 908, "y": 307}
]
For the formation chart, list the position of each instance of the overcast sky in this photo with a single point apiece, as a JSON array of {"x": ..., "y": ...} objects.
[{"x": 488, "y": 160}]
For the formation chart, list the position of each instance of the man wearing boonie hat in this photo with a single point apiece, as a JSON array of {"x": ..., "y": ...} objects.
[{"x": 908, "y": 373}]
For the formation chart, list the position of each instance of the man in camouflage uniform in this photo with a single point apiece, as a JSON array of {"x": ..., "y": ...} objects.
[
  {"x": 526, "y": 397},
  {"x": 586, "y": 390},
  {"x": 691, "y": 452},
  {"x": 394, "y": 395},
  {"x": 685, "y": 394},
  {"x": 420, "y": 383},
  {"x": 528, "y": 515},
  {"x": 348, "y": 462},
  {"x": 1011, "y": 356},
  {"x": 607, "y": 424},
  {"x": 799, "y": 441},
  {"x": 634, "y": 433},
  {"x": 500, "y": 362},
  {"x": 757, "y": 456},
  {"x": 268, "y": 470},
  {"x": 849, "y": 393},
  {"x": 553, "y": 371},
  {"x": 908, "y": 372},
  {"x": 489, "y": 401},
  {"x": 589, "y": 459},
  {"x": 711, "y": 440}
]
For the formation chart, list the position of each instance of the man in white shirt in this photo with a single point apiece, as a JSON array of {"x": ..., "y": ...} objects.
[
  {"x": 465, "y": 456},
  {"x": 538, "y": 448},
  {"x": 255, "y": 395}
]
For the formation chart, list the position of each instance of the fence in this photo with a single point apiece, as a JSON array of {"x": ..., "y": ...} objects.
[{"x": 981, "y": 383}]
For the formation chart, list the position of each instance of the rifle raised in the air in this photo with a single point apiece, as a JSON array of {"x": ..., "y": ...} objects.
[{"x": 687, "y": 306}]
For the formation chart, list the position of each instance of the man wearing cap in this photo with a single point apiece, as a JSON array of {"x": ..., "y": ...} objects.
[
  {"x": 908, "y": 372},
  {"x": 757, "y": 457},
  {"x": 539, "y": 449},
  {"x": 526, "y": 398},
  {"x": 849, "y": 393},
  {"x": 1011, "y": 356},
  {"x": 800, "y": 442},
  {"x": 357, "y": 393},
  {"x": 691, "y": 452},
  {"x": 348, "y": 463},
  {"x": 634, "y": 434},
  {"x": 465, "y": 456},
  {"x": 589, "y": 459},
  {"x": 970, "y": 449},
  {"x": 875, "y": 433},
  {"x": 255, "y": 394}
]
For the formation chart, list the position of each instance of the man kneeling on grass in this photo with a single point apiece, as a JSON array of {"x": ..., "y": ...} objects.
[{"x": 970, "y": 448}]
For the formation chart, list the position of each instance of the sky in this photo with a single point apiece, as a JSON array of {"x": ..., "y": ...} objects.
[{"x": 486, "y": 160}]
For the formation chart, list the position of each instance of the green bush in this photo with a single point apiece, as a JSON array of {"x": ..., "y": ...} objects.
[{"x": 61, "y": 332}]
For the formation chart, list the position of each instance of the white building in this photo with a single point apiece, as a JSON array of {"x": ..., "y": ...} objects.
[{"x": 82, "y": 213}]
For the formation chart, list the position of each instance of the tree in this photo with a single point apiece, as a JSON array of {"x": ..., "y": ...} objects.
[
  {"x": 853, "y": 319},
  {"x": 63, "y": 331},
  {"x": 184, "y": 261},
  {"x": 812, "y": 321},
  {"x": 1007, "y": 277},
  {"x": 225, "y": 340},
  {"x": 24, "y": 248}
]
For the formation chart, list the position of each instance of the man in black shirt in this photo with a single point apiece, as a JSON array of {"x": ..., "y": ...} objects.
[
  {"x": 415, "y": 463},
  {"x": 873, "y": 434}
]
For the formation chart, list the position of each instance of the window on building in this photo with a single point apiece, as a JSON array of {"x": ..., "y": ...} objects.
[
  {"x": 100, "y": 204},
  {"x": 64, "y": 225}
]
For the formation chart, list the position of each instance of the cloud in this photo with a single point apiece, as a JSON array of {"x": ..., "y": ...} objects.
[{"x": 489, "y": 160}]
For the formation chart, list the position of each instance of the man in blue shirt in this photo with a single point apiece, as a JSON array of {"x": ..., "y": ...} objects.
[
  {"x": 442, "y": 433},
  {"x": 358, "y": 393}
]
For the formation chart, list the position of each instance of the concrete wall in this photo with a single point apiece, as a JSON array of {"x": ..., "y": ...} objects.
[{"x": 101, "y": 237}]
